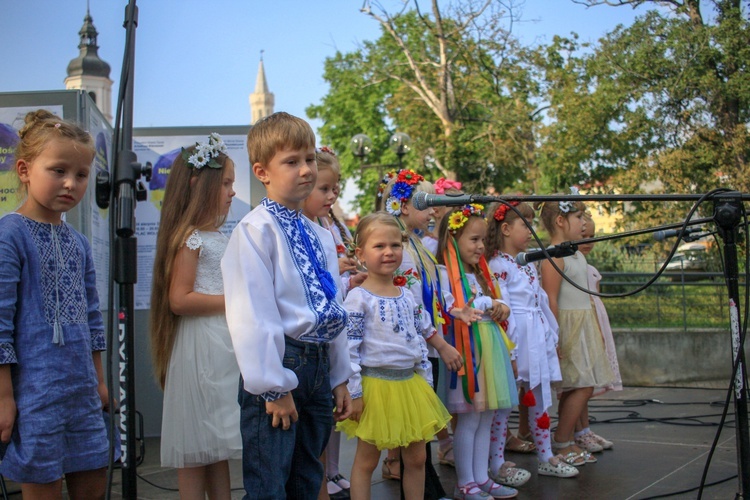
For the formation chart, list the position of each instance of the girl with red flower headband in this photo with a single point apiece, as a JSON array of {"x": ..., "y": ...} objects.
[{"x": 534, "y": 331}]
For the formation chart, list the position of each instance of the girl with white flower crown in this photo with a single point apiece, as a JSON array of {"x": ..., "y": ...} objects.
[
  {"x": 583, "y": 360},
  {"x": 192, "y": 352},
  {"x": 535, "y": 335},
  {"x": 418, "y": 273},
  {"x": 486, "y": 384}
]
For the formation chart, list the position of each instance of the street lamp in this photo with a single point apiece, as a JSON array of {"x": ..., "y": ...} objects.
[{"x": 361, "y": 145}]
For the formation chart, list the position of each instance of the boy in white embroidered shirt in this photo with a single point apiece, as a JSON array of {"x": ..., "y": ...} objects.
[{"x": 284, "y": 310}]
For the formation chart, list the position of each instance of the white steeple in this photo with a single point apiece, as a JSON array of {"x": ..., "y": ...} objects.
[{"x": 261, "y": 100}]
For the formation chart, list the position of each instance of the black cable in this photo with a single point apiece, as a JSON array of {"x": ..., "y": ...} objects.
[
  {"x": 704, "y": 197},
  {"x": 666, "y": 495}
]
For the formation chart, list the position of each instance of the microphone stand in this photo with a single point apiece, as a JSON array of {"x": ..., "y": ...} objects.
[{"x": 126, "y": 192}]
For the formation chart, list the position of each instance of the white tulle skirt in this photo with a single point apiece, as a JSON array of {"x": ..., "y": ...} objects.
[{"x": 201, "y": 416}]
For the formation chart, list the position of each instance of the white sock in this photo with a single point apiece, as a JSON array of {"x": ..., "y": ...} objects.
[
  {"x": 541, "y": 436},
  {"x": 482, "y": 445},
  {"x": 497, "y": 440}
]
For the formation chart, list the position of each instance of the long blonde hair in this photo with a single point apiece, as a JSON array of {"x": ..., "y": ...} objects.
[{"x": 191, "y": 201}]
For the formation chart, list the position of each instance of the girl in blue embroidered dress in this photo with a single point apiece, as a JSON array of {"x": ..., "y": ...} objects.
[
  {"x": 191, "y": 346},
  {"x": 52, "y": 388}
]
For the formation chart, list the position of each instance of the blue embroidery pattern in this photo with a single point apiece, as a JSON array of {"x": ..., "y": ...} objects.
[
  {"x": 61, "y": 273},
  {"x": 7, "y": 354},
  {"x": 355, "y": 328},
  {"x": 330, "y": 315}
]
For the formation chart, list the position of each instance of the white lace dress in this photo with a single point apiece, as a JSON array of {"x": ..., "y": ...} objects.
[{"x": 201, "y": 416}]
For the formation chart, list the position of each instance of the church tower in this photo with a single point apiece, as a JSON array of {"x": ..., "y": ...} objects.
[
  {"x": 88, "y": 72},
  {"x": 261, "y": 101}
]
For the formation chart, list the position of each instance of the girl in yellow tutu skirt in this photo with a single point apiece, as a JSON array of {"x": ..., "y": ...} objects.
[{"x": 392, "y": 407}]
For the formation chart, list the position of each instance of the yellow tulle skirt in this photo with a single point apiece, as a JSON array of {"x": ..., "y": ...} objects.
[{"x": 397, "y": 413}]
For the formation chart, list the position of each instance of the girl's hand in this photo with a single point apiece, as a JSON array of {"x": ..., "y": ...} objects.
[
  {"x": 358, "y": 406},
  {"x": 7, "y": 418},
  {"x": 451, "y": 357},
  {"x": 357, "y": 279},
  {"x": 343, "y": 401},
  {"x": 347, "y": 264},
  {"x": 499, "y": 312},
  {"x": 514, "y": 365},
  {"x": 466, "y": 314},
  {"x": 103, "y": 395}
]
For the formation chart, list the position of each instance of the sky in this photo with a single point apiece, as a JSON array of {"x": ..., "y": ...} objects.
[{"x": 196, "y": 61}]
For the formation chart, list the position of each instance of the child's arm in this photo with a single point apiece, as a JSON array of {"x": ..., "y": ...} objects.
[
  {"x": 253, "y": 315},
  {"x": 551, "y": 282},
  {"x": 101, "y": 383},
  {"x": 7, "y": 404},
  {"x": 354, "y": 333},
  {"x": 183, "y": 300}
]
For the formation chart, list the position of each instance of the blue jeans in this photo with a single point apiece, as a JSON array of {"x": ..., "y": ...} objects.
[{"x": 279, "y": 463}]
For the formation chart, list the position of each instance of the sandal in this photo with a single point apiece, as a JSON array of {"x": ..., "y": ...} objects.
[
  {"x": 497, "y": 490},
  {"x": 560, "y": 469},
  {"x": 572, "y": 457},
  {"x": 445, "y": 455},
  {"x": 389, "y": 471},
  {"x": 510, "y": 475},
  {"x": 470, "y": 491},
  {"x": 517, "y": 445}
]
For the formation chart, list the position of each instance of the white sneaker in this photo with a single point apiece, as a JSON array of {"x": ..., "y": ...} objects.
[{"x": 561, "y": 469}]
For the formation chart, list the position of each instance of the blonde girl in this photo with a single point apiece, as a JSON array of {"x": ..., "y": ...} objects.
[
  {"x": 419, "y": 273},
  {"x": 190, "y": 344},
  {"x": 52, "y": 388},
  {"x": 585, "y": 437},
  {"x": 583, "y": 362},
  {"x": 318, "y": 207},
  {"x": 392, "y": 408},
  {"x": 535, "y": 335},
  {"x": 487, "y": 384}
]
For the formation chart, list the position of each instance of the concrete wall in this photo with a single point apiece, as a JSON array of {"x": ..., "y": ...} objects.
[{"x": 674, "y": 357}]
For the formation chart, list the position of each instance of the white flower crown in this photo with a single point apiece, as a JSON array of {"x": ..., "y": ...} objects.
[{"x": 206, "y": 152}]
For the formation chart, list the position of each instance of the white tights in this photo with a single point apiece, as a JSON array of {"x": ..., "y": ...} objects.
[{"x": 471, "y": 447}]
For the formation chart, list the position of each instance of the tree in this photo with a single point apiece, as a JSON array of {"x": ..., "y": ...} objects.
[
  {"x": 665, "y": 100},
  {"x": 455, "y": 83}
]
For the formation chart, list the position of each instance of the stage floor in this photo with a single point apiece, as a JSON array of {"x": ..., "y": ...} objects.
[{"x": 662, "y": 440}]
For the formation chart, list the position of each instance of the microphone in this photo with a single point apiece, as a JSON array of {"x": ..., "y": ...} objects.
[
  {"x": 670, "y": 233},
  {"x": 423, "y": 201},
  {"x": 563, "y": 250}
]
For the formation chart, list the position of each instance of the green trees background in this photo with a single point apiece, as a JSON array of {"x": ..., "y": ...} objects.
[{"x": 661, "y": 105}]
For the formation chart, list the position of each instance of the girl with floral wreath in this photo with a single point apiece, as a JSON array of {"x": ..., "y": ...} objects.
[{"x": 486, "y": 385}]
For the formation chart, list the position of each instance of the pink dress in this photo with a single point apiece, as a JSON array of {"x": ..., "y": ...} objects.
[{"x": 609, "y": 342}]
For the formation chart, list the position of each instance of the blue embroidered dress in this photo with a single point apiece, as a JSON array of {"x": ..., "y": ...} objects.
[{"x": 49, "y": 325}]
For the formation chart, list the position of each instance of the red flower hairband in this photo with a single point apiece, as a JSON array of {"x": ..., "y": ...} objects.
[
  {"x": 326, "y": 149},
  {"x": 503, "y": 209}
]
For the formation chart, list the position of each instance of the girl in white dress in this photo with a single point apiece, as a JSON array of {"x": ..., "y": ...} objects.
[
  {"x": 190, "y": 343},
  {"x": 535, "y": 335},
  {"x": 583, "y": 361}
]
